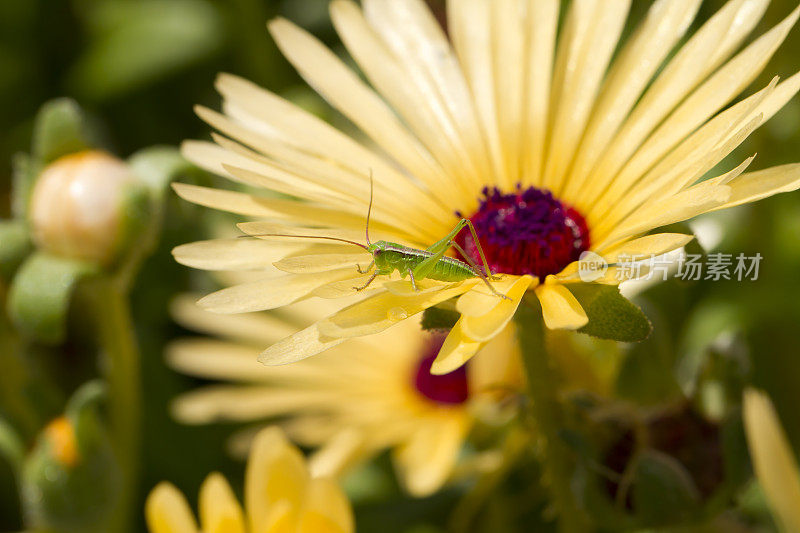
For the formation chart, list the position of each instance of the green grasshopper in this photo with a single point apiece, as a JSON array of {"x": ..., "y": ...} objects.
[{"x": 417, "y": 264}]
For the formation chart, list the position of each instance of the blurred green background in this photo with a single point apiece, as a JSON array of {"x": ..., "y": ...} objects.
[{"x": 139, "y": 66}]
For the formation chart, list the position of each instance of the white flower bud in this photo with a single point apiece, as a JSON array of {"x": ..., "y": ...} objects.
[{"x": 77, "y": 206}]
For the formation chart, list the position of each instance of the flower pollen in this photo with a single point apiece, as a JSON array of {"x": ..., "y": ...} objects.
[
  {"x": 527, "y": 231},
  {"x": 447, "y": 389}
]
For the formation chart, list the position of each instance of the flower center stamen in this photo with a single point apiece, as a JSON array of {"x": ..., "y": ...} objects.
[
  {"x": 527, "y": 231},
  {"x": 447, "y": 389}
]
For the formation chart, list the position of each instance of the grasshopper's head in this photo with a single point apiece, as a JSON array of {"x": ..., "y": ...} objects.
[{"x": 377, "y": 249}]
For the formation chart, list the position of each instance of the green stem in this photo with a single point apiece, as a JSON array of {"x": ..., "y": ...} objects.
[
  {"x": 471, "y": 504},
  {"x": 121, "y": 365},
  {"x": 549, "y": 418}
]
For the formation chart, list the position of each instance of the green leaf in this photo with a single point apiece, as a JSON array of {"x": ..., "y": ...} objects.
[
  {"x": 435, "y": 318},
  {"x": 60, "y": 129},
  {"x": 15, "y": 245},
  {"x": 40, "y": 294},
  {"x": 663, "y": 491},
  {"x": 611, "y": 315}
]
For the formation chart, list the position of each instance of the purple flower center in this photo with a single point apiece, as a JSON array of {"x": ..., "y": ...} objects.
[
  {"x": 448, "y": 389},
  {"x": 527, "y": 231}
]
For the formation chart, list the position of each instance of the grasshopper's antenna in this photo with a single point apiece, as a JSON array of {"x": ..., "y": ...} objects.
[
  {"x": 369, "y": 209},
  {"x": 255, "y": 235}
]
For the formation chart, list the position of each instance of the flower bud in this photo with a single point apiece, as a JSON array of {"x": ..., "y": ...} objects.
[
  {"x": 78, "y": 206},
  {"x": 71, "y": 479}
]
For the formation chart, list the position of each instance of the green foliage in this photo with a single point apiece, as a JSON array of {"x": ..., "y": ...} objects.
[
  {"x": 662, "y": 490},
  {"x": 136, "y": 42},
  {"x": 39, "y": 299},
  {"x": 436, "y": 318},
  {"x": 611, "y": 315}
]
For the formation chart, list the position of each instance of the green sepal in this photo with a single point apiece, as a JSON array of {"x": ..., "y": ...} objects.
[
  {"x": 81, "y": 496},
  {"x": 25, "y": 171},
  {"x": 158, "y": 166},
  {"x": 12, "y": 447},
  {"x": 15, "y": 245},
  {"x": 611, "y": 315},
  {"x": 60, "y": 129},
  {"x": 663, "y": 491},
  {"x": 437, "y": 319},
  {"x": 40, "y": 294}
]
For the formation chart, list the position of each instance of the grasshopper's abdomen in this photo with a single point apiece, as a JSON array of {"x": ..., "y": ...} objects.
[{"x": 404, "y": 259}]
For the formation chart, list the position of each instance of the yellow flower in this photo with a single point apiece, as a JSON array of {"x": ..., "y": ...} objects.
[
  {"x": 773, "y": 459},
  {"x": 545, "y": 144},
  {"x": 280, "y": 497},
  {"x": 361, "y": 397}
]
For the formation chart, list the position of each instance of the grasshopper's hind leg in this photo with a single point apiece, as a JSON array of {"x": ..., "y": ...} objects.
[
  {"x": 477, "y": 270},
  {"x": 486, "y": 269}
]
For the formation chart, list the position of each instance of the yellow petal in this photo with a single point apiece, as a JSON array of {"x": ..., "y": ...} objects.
[
  {"x": 343, "y": 88},
  {"x": 166, "y": 511},
  {"x": 711, "y": 96},
  {"x": 219, "y": 510},
  {"x": 234, "y": 254},
  {"x": 456, "y": 350},
  {"x": 483, "y": 328},
  {"x": 339, "y": 453},
  {"x": 591, "y": 32},
  {"x": 480, "y": 299},
  {"x": 753, "y": 186},
  {"x": 319, "y": 262},
  {"x": 259, "y": 328},
  {"x": 381, "y": 311},
  {"x": 326, "y": 509},
  {"x": 773, "y": 459},
  {"x": 269, "y": 293},
  {"x": 643, "y": 53},
  {"x": 237, "y": 402},
  {"x": 387, "y": 76},
  {"x": 426, "y": 57},
  {"x": 656, "y": 244},
  {"x": 703, "y": 52},
  {"x": 427, "y": 459},
  {"x": 560, "y": 309},
  {"x": 299, "y": 346},
  {"x": 293, "y": 126},
  {"x": 276, "y": 471}
]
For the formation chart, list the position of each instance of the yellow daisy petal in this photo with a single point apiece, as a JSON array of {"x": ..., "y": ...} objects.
[
  {"x": 166, "y": 511},
  {"x": 219, "y": 510},
  {"x": 560, "y": 309},
  {"x": 752, "y": 186},
  {"x": 233, "y": 254},
  {"x": 483, "y": 328},
  {"x": 381, "y": 311},
  {"x": 326, "y": 509},
  {"x": 773, "y": 459},
  {"x": 269, "y": 293},
  {"x": 427, "y": 459},
  {"x": 456, "y": 350},
  {"x": 480, "y": 299},
  {"x": 275, "y": 472},
  {"x": 297, "y": 347}
]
